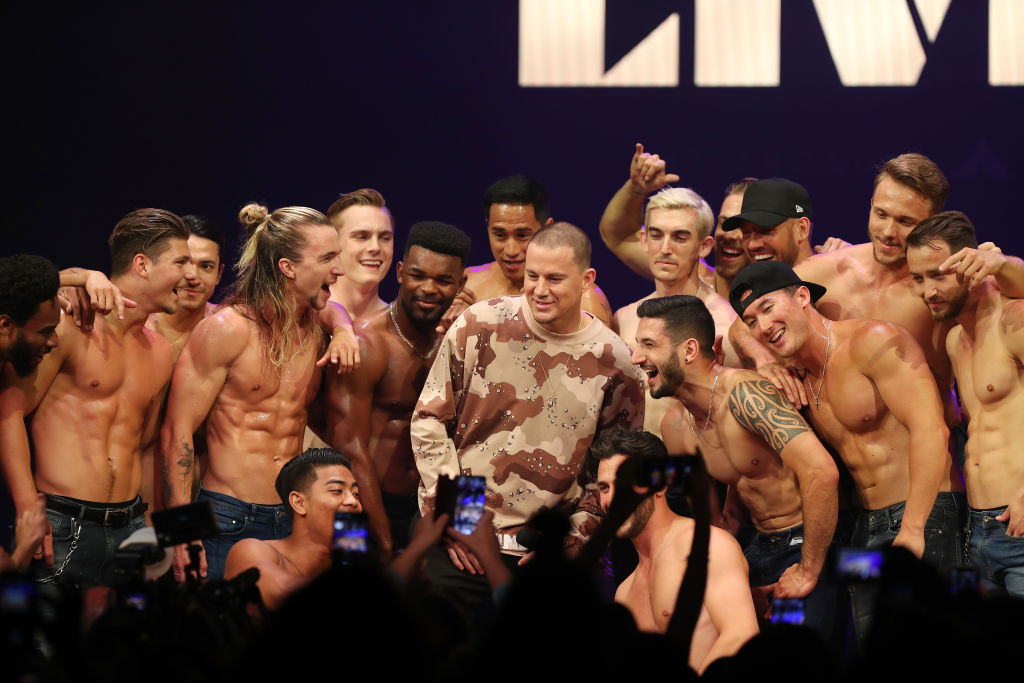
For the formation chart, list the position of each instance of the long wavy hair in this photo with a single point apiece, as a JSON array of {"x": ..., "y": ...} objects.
[{"x": 261, "y": 290}]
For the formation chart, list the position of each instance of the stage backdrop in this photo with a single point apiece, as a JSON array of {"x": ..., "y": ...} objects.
[{"x": 201, "y": 108}]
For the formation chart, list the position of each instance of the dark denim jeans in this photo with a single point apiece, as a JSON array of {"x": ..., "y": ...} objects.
[
  {"x": 83, "y": 551},
  {"x": 943, "y": 546},
  {"x": 998, "y": 558},
  {"x": 825, "y": 609},
  {"x": 236, "y": 520}
]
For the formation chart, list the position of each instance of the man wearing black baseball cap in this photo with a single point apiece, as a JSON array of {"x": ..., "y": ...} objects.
[
  {"x": 775, "y": 220},
  {"x": 875, "y": 400}
]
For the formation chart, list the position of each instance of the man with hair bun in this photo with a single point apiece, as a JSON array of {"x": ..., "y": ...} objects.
[
  {"x": 520, "y": 387},
  {"x": 367, "y": 412},
  {"x": 250, "y": 371},
  {"x": 93, "y": 403}
]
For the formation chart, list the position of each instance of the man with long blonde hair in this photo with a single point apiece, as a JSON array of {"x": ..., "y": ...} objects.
[{"x": 250, "y": 371}]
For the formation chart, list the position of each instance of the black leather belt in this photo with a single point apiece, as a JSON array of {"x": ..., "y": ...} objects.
[{"x": 108, "y": 516}]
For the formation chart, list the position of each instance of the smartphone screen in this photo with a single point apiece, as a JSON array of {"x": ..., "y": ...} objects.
[
  {"x": 858, "y": 564},
  {"x": 788, "y": 611},
  {"x": 470, "y": 496},
  {"x": 350, "y": 533}
]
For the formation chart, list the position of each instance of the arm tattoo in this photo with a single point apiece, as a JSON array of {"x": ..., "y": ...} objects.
[
  {"x": 762, "y": 410},
  {"x": 185, "y": 460}
]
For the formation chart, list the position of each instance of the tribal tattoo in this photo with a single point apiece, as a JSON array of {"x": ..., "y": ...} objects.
[{"x": 761, "y": 409}]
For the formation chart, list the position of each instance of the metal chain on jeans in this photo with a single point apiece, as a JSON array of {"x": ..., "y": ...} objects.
[{"x": 76, "y": 530}]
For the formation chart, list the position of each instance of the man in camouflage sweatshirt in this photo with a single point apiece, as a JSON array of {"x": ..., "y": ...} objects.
[{"x": 520, "y": 388}]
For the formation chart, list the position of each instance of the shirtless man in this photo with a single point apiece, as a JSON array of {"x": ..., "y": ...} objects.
[
  {"x": 250, "y": 371},
  {"x": 987, "y": 352},
  {"x": 515, "y": 208},
  {"x": 675, "y": 236},
  {"x": 860, "y": 374},
  {"x": 29, "y": 313},
  {"x": 368, "y": 411},
  {"x": 315, "y": 485},
  {"x": 367, "y": 232},
  {"x": 752, "y": 440},
  {"x": 663, "y": 540},
  {"x": 95, "y": 399}
]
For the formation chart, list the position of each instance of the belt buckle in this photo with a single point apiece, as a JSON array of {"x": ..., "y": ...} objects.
[{"x": 116, "y": 516}]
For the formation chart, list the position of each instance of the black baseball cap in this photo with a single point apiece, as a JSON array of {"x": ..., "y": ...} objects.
[
  {"x": 762, "y": 277},
  {"x": 771, "y": 201}
]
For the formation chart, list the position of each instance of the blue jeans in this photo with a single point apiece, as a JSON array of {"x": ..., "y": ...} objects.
[
  {"x": 999, "y": 558},
  {"x": 943, "y": 546},
  {"x": 83, "y": 550},
  {"x": 236, "y": 520},
  {"x": 770, "y": 555}
]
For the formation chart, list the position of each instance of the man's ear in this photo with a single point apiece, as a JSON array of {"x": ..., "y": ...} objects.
[
  {"x": 802, "y": 229},
  {"x": 141, "y": 265},
  {"x": 550, "y": 220},
  {"x": 297, "y": 501},
  {"x": 706, "y": 245},
  {"x": 7, "y": 326},
  {"x": 643, "y": 237},
  {"x": 462, "y": 282},
  {"x": 220, "y": 273},
  {"x": 691, "y": 350},
  {"x": 287, "y": 267},
  {"x": 589, "y": 277},
  {"x": 399, "y": 267}
]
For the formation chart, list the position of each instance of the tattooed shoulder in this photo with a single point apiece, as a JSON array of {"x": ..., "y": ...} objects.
[{"x": 762, "y": 410}]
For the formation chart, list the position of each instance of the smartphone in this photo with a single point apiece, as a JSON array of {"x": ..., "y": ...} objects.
[
  {"x": 660, "y": 472},
  {"x": 470, "y": 497},
  {"x": 351, "y": 531},
  {"x": 858, "y": 564},
  {"x": 788, "y": 611},
  {"x": 184, "y": 523}
]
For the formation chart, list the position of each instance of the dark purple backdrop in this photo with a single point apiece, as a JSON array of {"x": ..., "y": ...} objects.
[{"x": 201, "y": 108}]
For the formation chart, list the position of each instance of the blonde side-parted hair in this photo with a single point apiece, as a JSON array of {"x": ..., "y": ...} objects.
[{"x": 683, "y": 198}]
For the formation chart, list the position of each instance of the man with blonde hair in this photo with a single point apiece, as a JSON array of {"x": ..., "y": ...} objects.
[
  {"x": 676, "y": 234},
  {"x": 250, "y": 372}
]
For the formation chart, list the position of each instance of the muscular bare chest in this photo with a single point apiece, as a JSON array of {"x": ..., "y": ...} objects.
[
  {"x": 987, "y": 375},
  {"x": 847, "y": 404},
  {"x": 399, "y": 388}
]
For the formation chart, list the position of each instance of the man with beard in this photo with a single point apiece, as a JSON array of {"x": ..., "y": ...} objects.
[
  {"x": 520, "y": 387},
  {"x": 755, "y": 442},
  {"x": 29, "y": 312},
  {"x": 95, "y": 399},
  {"x": 859, "y": 375},
  {"x": 662, "y": 540},
  {"x": 250, "y": 372},
  {"x": 367, "y": 412},
  {"x": 987, "y": 351}
]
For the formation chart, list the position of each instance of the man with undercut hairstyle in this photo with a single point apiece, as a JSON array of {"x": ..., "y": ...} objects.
[
  {"x": 986, "y": 347},
  {"x": 367, "y": 232},
  {"x": 515, "y": 208},
  {"x": 520, "y": 387},
  {"x": 314, "y": 485},
  {"x": 663, "y": 541},
  {"x": 250, "y": 372},
  {"x": 859, "y": 374},
  {"x": 93, "y": 403},
  {"x": 367, "y": 412},
  {"x": 676, "y": 234},
  {"x": 753, "y": 440}
]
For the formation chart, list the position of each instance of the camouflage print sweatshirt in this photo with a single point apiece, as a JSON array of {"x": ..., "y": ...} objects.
[{"x": 518, "y": 405}]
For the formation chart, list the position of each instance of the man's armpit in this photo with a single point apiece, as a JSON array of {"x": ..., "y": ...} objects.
[{"x": 761, "y": 409}]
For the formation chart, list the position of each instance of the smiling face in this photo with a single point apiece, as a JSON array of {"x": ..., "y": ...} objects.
[
  {"x": 427, "y": 283},
  {"x": 777, "y": 320},
  {"x": 658, "y": 357},
  {"x": 367, "y": 242},
  {"x": 779, "y": 242},
  {"x": 335, "y": 490},
  {"x": 26, "y": 345},
  {"x": 317, "y": 267},
  {"x": 207, "y": 268},
  {"x": 637, "y": 522},
  {"x": 509, "y": 228},
  {"x": 730, "y": 257},
  {"x": 170, "y": 272},
  {"x": 672, "y": 244},
  {"x": 943, "y": 293},
  {"x": 554, "y": 287},
  {"x": 895, "y": 210}
]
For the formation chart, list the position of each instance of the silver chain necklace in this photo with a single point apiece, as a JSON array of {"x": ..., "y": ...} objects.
[
  {"x": 412, "y": 347},
  {"x": 710, "y": 403},
  {"x": 821, "y": 381}
]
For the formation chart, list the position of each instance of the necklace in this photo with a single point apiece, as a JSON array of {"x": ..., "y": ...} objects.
[
  {"x": 412, "y": 347},
  {"x": 821, "y": 381},
  {"x": 710, "y": 402}
]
